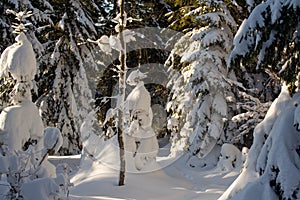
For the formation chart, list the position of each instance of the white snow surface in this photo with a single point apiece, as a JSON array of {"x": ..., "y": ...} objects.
[
  {"x": 230, "y": 157},
  {"x": 48, "y": 189},
  {"x": 96, "y": 176},
  {"x": 170, "y": 179}
]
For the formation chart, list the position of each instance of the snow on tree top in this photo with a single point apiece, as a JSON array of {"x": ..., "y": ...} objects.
[
  {"x": 135, "y": 76},
  {"x": 19, "y": 60}
]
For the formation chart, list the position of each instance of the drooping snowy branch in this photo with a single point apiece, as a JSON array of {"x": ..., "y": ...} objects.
[{"x": 269, "y": 38}]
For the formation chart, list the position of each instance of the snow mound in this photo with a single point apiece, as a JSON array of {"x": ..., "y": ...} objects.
[
  {"x": 52, "y": 138},
  {"x": 19, "y": 123},
  {"x": 230, "y": 157},
  {"x": 46, "y": 187}
]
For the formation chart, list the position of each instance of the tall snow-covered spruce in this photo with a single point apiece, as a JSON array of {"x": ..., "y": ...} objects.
[
  {"x": 200, "y": 93},
  {"x": 272, "y": 166},
  {"x": 39, "y": 19},
  {"x": 64, "y": 93}
]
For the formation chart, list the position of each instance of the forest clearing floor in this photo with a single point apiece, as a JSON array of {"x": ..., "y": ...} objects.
[{"x": 174, "y": 180}]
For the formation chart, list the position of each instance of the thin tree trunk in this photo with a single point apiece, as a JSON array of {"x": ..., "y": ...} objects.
[
  {"x": 122, "y": 87},
  {"x": 21, "y": 6}
]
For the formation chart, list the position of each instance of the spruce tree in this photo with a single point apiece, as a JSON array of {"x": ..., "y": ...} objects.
[
  {"x": 268, "y": 40},
  {"x": 64, "y": 93},
  {"x": 200, "y": 93},
  {"x": 39, "y": 18}
]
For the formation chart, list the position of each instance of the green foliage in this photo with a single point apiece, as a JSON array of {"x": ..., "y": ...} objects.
[
  {"x": 180, "y": 20},
  {"x": 178, "y": 16},
  {"x": 176, "y": 4},
  {"x": 274, "y": 46}
]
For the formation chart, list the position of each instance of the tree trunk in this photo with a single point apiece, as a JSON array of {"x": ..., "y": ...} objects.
[{"x": 121, "y": 100}]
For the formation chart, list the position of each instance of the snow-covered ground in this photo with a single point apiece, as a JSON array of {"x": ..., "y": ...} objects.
[{"x": 174, "y": 180}]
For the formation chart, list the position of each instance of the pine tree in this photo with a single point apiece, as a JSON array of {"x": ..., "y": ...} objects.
[
  {"x": 200, "y": 94},
  {"x": 268, "y": 40},
  {"x": 39, "y": 18},
  {"x": 22, "y": 131},
  {"x": 58, "y": 34},
  {"x": 64, "y": 93}
]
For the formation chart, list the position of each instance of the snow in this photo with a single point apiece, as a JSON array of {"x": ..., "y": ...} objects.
[
  {"x": 19, "y": 60},
  {"x": 25, "y": 169},
  {"x": 230, "y": 157},
  {"x": 251, "y": 36},
  {"x": 140, "y": 139},
  {"x": 19, "y": 123},
  {"x": 3, "y": 61},
  {"x": 52, "y": 138},
  {"x": 171, "y": 180},
  {"x": 220, "y": 105},
  {"x": 198, "y": 97},
  {"x": 272, "y": 161},
  {"x": 150, "y": 172},
  {"x": 82, "y": 18},
  {"x": 138, "y": 99},
  {"x": 48, "y": 189}
]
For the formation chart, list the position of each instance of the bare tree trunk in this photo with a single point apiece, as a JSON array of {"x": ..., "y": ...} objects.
[
  {"x": 122, "y": 88},
  {"x": 298, "y": 79},
  {"x": 20, "y": 6}
]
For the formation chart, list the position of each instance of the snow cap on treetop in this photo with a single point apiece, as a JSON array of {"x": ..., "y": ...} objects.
[
  {"x": 21, "y": 37},
  {"x": 135, "y": 77},
  {"x": 19, "y": 60}
]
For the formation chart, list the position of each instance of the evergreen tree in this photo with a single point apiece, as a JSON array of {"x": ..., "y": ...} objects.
[
  {"x": 39, "y": 18},
  {"x": 200, "y": 94},
  {"x": 269, "y": 40},
  {"x": 58, "y": 34},
  {"x": 63, "y": 85}
]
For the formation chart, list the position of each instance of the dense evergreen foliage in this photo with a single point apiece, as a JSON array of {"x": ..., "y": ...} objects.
[
  {"x": 269, "y": 40},
  {"x": 70, "y": 74}
]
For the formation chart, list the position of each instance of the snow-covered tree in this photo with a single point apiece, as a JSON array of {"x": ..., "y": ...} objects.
[
  {"x": 64, "y": 92},
  {"x": 140, "y": 140},
  {"x": 57, "y": 34},
  {"x": 200, "y": 94},
  {"x": 271, "y": 168},
  {"x": 23, "y": 149},
  {"x": 18, "y": 60},
  {"x": 230, "y": 157},
  {"x": 269, "y": 39},
  {"x": 38, "y": 18}
]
